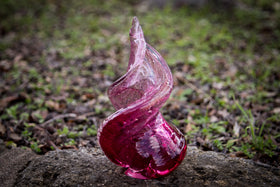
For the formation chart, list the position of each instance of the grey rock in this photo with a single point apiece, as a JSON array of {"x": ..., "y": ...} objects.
[
  {"x": 11, "y": 162},
  {"x": 92, "y": 168}
]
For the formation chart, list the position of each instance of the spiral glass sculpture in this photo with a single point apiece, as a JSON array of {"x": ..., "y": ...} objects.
[{"x": 136, "y": 136}]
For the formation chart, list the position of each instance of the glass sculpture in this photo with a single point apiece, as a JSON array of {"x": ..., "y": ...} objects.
[{"x": 137, "y": 136}]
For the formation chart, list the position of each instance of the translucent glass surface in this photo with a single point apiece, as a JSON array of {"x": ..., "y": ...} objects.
[{"x": 137, "y": 136}]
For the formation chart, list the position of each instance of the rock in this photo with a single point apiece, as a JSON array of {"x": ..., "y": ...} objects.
[
  {"x": 92, "y": 168},
  {"x": 11, "y": 162}
]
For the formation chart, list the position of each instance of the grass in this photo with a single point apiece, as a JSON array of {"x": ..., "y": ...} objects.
[
  {"x": 222, "y": 53},
  {"x": 257, "y": 142}
]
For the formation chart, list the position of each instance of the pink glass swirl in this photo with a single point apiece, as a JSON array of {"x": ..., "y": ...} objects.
[{"x": 136, "y": 136}]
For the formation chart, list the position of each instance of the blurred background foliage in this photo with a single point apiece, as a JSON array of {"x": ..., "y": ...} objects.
[{"x": 60, "y": 56}]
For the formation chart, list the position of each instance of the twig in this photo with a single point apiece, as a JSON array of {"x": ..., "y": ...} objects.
[
  {"x": 52, "y": 144},
  {"x": 70, "y": 115},
  {"x": 86, "y": 114},
  {"x": 266, "y": 165}
]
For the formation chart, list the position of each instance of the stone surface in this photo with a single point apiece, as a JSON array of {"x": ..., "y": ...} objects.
[
  {"x": 11, "y": 162},
  {"x": 92, "y": 168}
]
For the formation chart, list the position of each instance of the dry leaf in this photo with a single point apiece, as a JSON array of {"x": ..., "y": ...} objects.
[
  {"x": 240, "y": 154},
  {"x": 213, "y": 119},
  {"x": 188, "y": 128},
  {"x": 2, "y": 129},
  {"x": 236, "y": 129},
  {"x": 200, "y": 141},
  {"x": 218, "y": 85},
  {"x": 5, "y": 65},
  {"x": 5, "y": 101},
  {"x": 53, "y": 105},
  {"x": 91, "y": 102},
  {"x": 276, "y": 110},
  {"x": 87, "y": 96},
  {"x": 15, "y": 137},
  {"x": 223, "y": 113}
]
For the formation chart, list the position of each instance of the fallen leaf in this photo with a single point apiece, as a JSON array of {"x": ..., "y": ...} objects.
[
  {"x": 218, "y": 85},
  {"x": 223, "y": 113},
  {"x": 53, "y": 105},
  {"x": 18, "y": 58},
  {"x": 188, "y": 128},
  {"x": 240, "y": 154},
  {"x": 197, "y": 101},
  {"x": 244, "y": 94},
  {"x": 15, "y": 137},
  {"x": 200, "y": 141},
  {"x": 231, "y": 72},
  {"x": 5, "y": 65},
  {"x": 83, "y": 143},
  {"x": 212, "y": 112},
  {"x": 90, "y": 102},
  {"x": 270, "y": 94},
  {"x": 213, "y": 119},
  {"x": 87, "y": 96},
  {"x": 260, "y": 107},
  {"x": 276, "y": 110},
  {"x": 2, "y": 129},
  {"x": 179, "y": 77},
  {"x": 38, "y": 115},
  {"x": 87, "y": 51},
  {"x": 103, "y": 98},
  {"x": 69, "y": 147},
  {"x": 5, "y": 101},
  {"x": 236, "y": 129}
]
